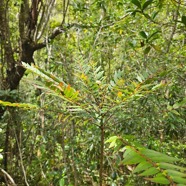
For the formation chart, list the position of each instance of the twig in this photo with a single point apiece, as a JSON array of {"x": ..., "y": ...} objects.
[
  {"x": 21, "y": 160},
  {"x": 175, "y": 17},
  {"x": 65, "y": 9},
  {"x": 8, "y": 176}
]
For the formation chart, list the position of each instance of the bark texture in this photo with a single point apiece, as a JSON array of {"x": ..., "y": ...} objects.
[{"x": 33, "y": 17}]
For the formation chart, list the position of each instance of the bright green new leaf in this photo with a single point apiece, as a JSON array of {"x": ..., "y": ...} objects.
[
  {"x": 62, "y": 182},
  {"x": 112, "y": 139}
]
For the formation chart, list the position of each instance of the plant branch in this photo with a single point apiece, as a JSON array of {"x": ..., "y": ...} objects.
[
  {"x": 8, "y": 176},
  {"x": 102, "y": 128},
  {"x": 21, "y": 159},
  {"x": 65, "y": 9},
  {"x": 175, "y": 18}
]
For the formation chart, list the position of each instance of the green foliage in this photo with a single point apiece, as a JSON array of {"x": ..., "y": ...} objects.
[
  {"x": 54, "y": 84},
  {"x": 101, "y": 107},
  {"x": 154, "y": 166},
  {"x": 117, "y": 69}
]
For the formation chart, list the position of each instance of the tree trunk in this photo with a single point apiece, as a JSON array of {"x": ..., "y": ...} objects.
[
  {"x": 11, "y": 69},
  {"x": 12, "y": 52}
]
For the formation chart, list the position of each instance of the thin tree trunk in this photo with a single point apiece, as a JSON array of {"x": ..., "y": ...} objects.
[
  {"x": 101, "y": 153},
  {"x": 175, "y": 19},
  {"x": 6, "y": 147},
  {"x": 73, "y": 155}
]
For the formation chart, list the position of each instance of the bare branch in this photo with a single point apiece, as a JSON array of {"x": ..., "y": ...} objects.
[
  {"x": 65, "y": 9},
  {"x": 47, "y": 10},
  {"x": 57, "y": 31},
  {"x": 8, "y": 176},
  {"x": 21, "y": 159},
  {"x": 175, "y": 18}
]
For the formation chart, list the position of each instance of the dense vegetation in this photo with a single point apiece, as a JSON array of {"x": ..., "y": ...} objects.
[{"x": 92, "y": 92}]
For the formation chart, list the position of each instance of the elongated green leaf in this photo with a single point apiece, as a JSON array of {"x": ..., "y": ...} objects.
[
  {"x": 54, "y": 83},
  {"x": 99, "y": 75},
  {"x": 57, "y": 80},
  {"x": 157, "y": 86},
  {"x": 137, "y": 3},
  {"x": 154, "y": 35},
  {"x": 154, "y": 14},
  {"x": 163, "y": 158},
  {"x": 147, "y": 50},
  {"x": 111, "y": 139},
  {"x": 157, "y": 156},
  {"x": 44, "y": 74},
  {"x": 160, "y": 179},
  {"x": 132, "y": 160},
  {"x": 183, "y": 20},
  {"x": 180, "y": 104},
  {"x": 175, "y": 173},
  {"x": 75, "y": 109},
  {"x": 62, "y": 182},
  {"x": 142, "y": 166},
  {"x": 131, "y": 157},
  {"x": 112, "y": 83},
  {"x": 150, "y": 172},
  {"x": 146, "y": 4},
  {"x": 98, "y": 69},
  {"x": 32, "y": 68},
  {"x": 1, "y": 156},
  {"x": 171, "y": 166},
  {"x": 143, "y": 34},
  {"x": 179, "y": 180}
]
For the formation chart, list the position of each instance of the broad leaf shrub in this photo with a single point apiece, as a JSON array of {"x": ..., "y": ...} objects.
[{"x": 104, "y": 100}]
